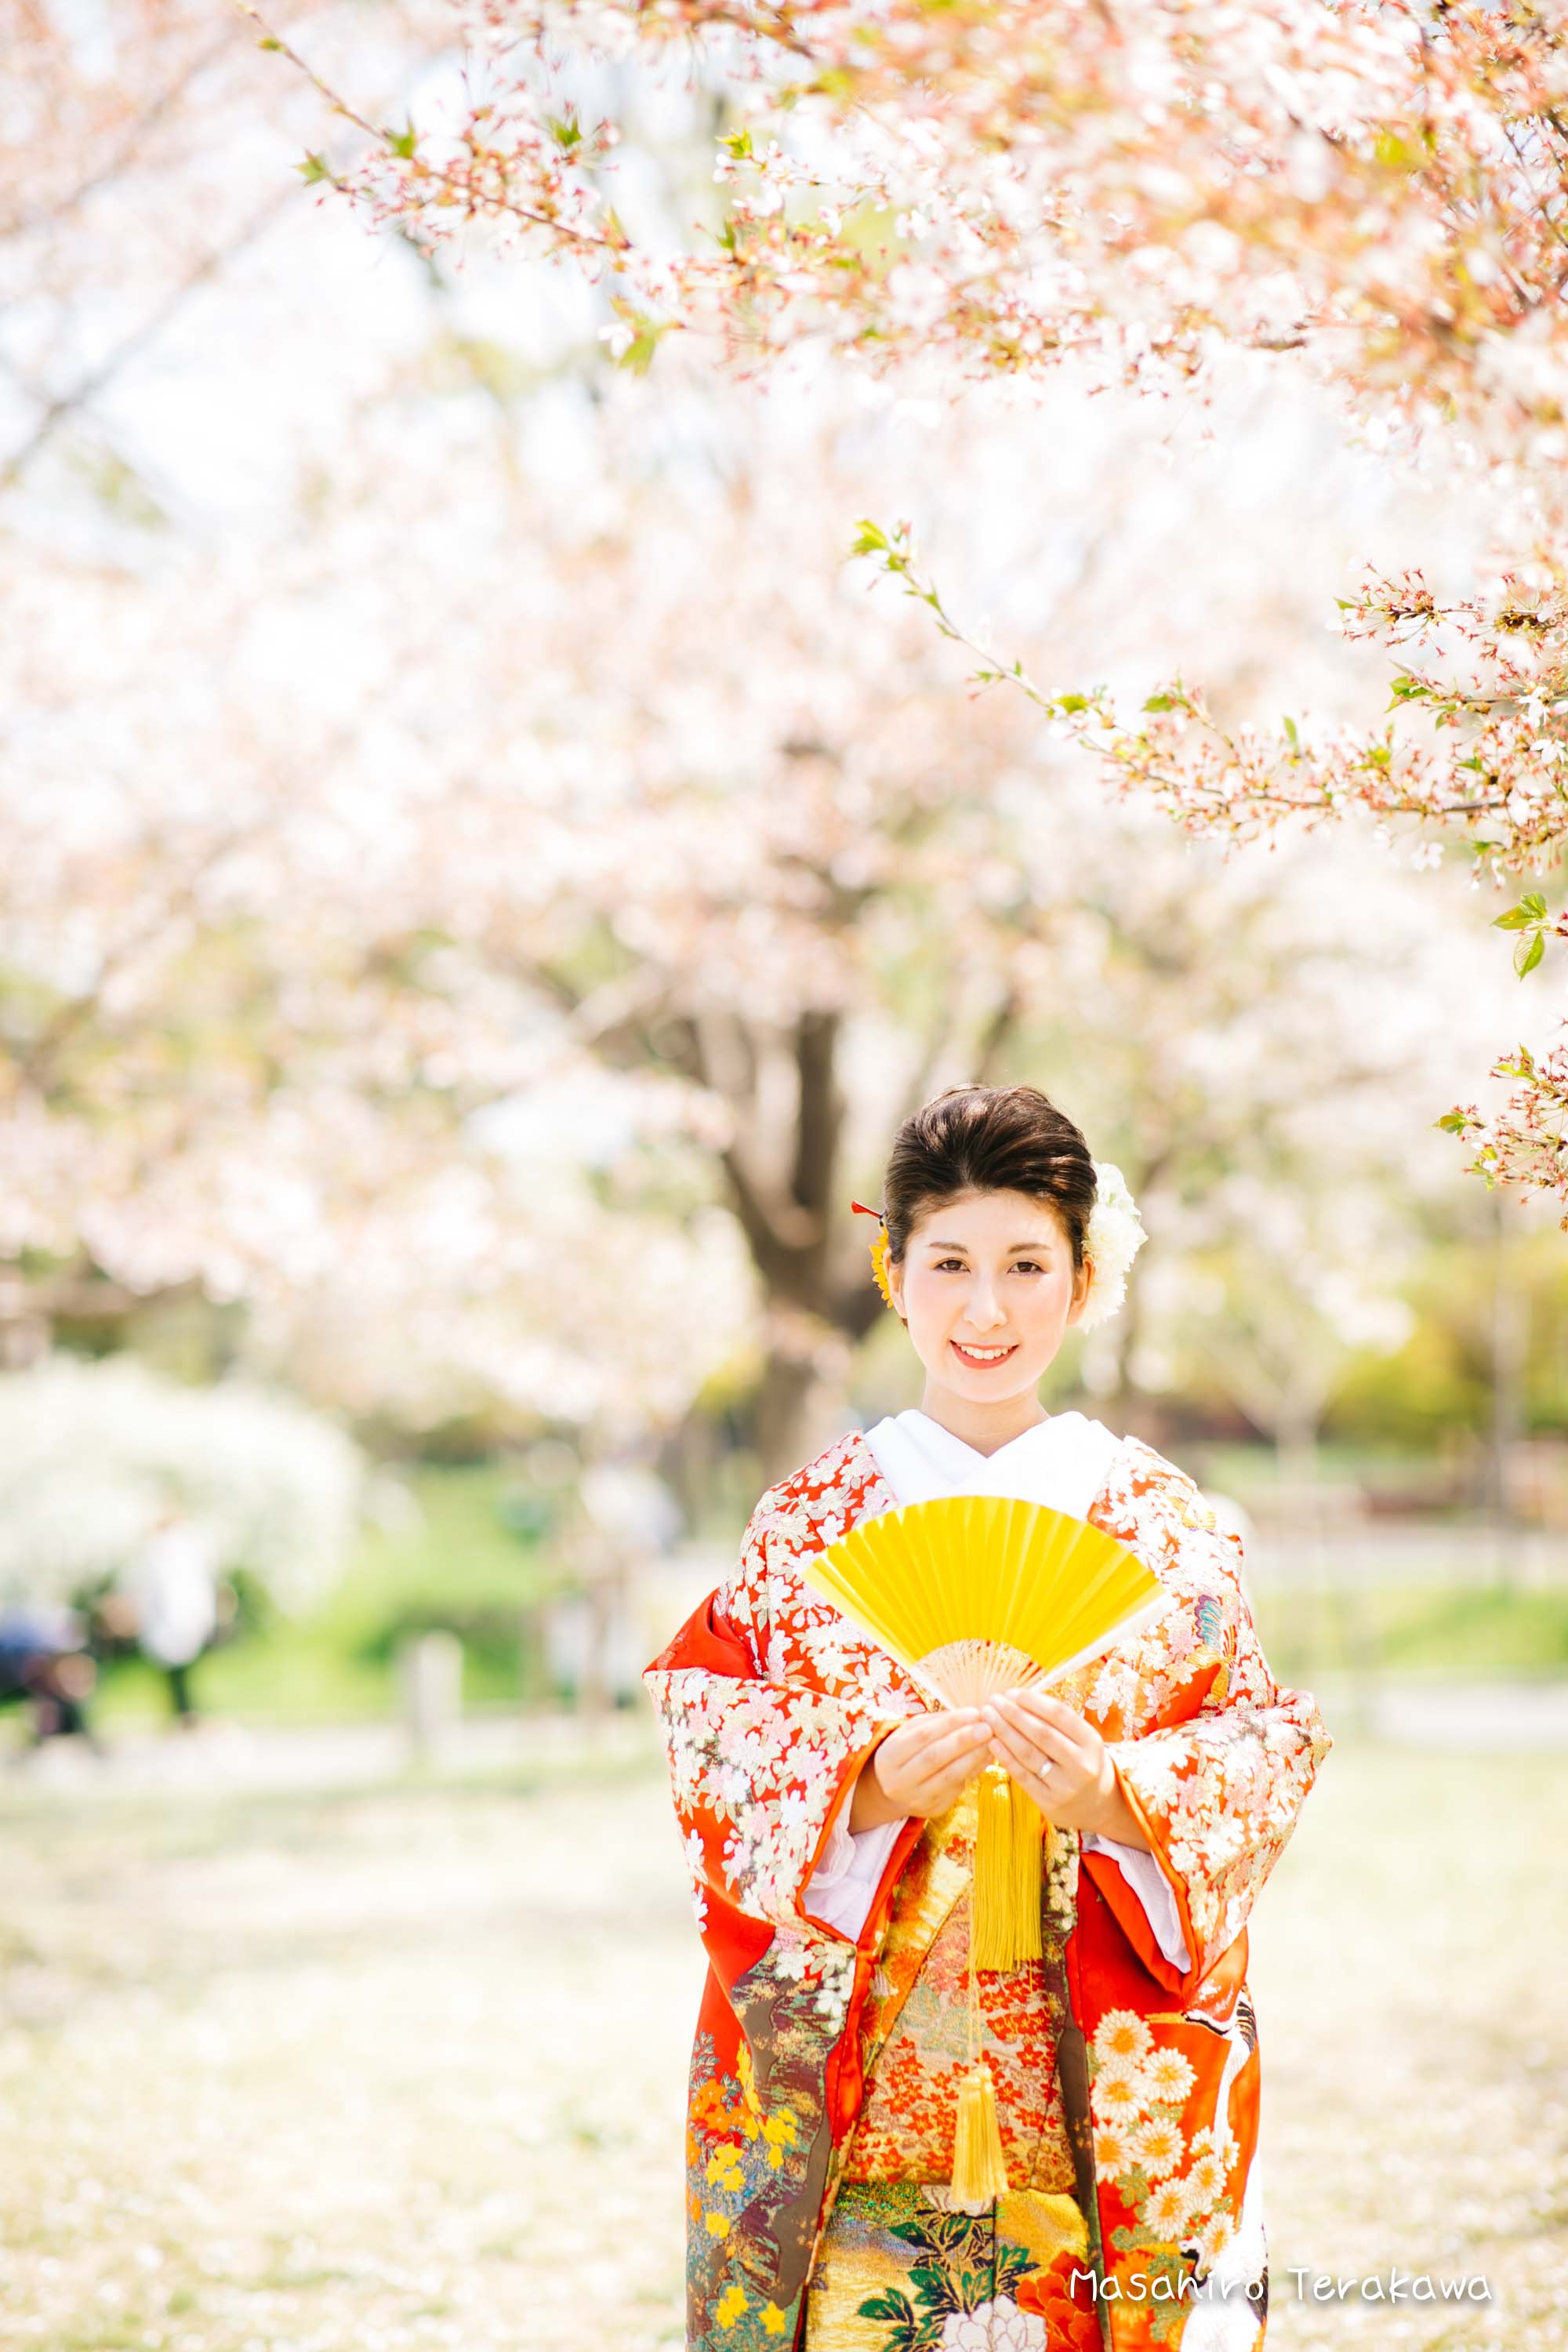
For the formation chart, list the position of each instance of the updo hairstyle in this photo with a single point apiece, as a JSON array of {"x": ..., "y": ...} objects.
[{"x": 988, "y": 1139}]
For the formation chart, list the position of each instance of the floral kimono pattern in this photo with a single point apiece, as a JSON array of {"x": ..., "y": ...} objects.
[{"x": 769, "y": 1703}]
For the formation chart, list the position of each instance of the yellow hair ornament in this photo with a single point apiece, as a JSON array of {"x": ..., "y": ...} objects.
[{"x": 879, "y": 1249}]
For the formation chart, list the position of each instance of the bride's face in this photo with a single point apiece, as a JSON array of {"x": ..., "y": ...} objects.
[{"x": 988, "y": 1287}]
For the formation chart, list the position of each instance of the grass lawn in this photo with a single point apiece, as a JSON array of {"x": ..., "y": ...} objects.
[
  {"x": 462, "y": 1563},
  {"x": 1470, "y": 1632},
  {"x": 403, "y": 2068}
]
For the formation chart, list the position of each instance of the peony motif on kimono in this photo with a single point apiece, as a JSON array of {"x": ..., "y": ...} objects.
[{"x": 1128, "y": 2084}]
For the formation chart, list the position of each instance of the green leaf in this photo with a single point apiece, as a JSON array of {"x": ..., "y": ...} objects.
[
  {"x": 739, "y": 143},
  {"x": 1527, "y": 953},
  {"x": 404, "y": 142},
  {"x": 312, "y": 169},
  {"x": 1453, "y": 1122},
  {"x": 1290, "y": 735},
  {"x": 1396, "y": 153},
  {"x": 567, "y": 131},
  {"x": 1531, "y": 909},
  {"x": 938, "y": 2233},
  {"x": 270, "y": 43},
  {"x": 1159, "y": 702},
  {"x": 1069, "y": 705},
  {"x": 870, "y": 538},
  {"x": 647, "y": 335}
]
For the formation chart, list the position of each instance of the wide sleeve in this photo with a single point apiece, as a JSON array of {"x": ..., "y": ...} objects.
[
  {"x": 842, "y": 1887},
  {"x": 1216, "y": 1769},
  {"x": 1152, "y": 1888},
  {"x": 760, "y": 1767}
]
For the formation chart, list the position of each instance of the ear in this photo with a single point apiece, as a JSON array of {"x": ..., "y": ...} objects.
[
  {"x": 896, "y": 1285},
  {"x": 1080, "y": 1282}
]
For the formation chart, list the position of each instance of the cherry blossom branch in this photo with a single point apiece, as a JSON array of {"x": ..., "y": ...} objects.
[
  {"x": 483, "y": 185},
  {"x": 1376, "y": 186},
  {"x": 1219, "y": 784},
  {"x": 1525, "y": 1143},
  {"x": 1215, "y": 781}
]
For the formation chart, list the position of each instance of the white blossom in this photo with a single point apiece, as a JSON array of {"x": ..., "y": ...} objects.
[{"x": 1114, "y": 1239}]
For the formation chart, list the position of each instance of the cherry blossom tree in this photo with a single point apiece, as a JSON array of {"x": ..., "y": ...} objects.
[
  {"x": 777, "y": 903},
  {"x": 221, "y": 1068},
  {"x": 1374, "y": 192},
  {"x": 506, "y": 738}
]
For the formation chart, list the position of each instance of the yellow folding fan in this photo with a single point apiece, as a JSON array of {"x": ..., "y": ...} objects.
[{"x": 975, "y": 1594}]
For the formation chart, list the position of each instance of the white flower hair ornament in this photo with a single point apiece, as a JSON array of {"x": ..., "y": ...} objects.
[{"x": 1112, "y": 1239}]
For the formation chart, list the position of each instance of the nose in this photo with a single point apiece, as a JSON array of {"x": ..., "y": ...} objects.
[{"x": 983, "y": 1311}]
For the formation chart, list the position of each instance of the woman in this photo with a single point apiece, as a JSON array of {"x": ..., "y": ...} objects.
[{"x": 829, "y": 1810}]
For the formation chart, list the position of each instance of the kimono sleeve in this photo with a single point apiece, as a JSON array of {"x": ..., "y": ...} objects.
[
  {"x": 1217, "y": 1784},
  {"x": 759, "y": 1768}
]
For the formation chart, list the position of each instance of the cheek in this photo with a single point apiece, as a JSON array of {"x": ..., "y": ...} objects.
[
  {"x": 1046, "y": 1301},
  {"x": 923, "y": 1302}
]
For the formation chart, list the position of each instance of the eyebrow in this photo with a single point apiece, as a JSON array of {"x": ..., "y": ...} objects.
[{"x": 1013, "y": 1247}]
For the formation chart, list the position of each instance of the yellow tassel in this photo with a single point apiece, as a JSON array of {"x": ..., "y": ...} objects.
[
  {"x": 1008, "y": 1848},
  {"x": 979, "y": 2167}
]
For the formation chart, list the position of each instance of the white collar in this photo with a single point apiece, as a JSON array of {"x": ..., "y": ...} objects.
[{"x": 1061, "y": 1462}]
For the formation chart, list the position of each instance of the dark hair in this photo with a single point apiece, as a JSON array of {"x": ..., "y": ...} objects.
[{"x": 988, "y": 1139}]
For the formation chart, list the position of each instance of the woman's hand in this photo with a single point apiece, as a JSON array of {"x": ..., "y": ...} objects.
[
  {"x": 1061, "y": 1762},
  {"x": 921, "y": 1768}
]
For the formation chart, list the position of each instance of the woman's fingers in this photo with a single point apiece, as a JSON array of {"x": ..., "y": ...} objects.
[
  {"x": 1030, "y": 1700},
  {"x": 1046, "y": 1754},
  {"x": 1061, "y": 1737},
  {"x": 917, "y": 1746},
  {"x": 919, "y": 1760},
  {"x": 1014, "y": 1738},
  {"x": 960, "y": 1742},
  {"x": 1016, "y": 1752},
  {"x": 928, "y": 1761},
  {"x": 937, "y": 1795},
  {"x": 958, "y": 1755}
]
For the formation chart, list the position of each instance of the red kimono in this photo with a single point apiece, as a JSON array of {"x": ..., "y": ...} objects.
[{"x": 821, "y": 2095}]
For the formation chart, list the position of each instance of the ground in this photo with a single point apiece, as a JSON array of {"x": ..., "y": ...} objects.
[{"x": 342, "y": 2070}]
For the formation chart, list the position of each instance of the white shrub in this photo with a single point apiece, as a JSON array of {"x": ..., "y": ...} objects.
[{"x": 91, "y": 1455}]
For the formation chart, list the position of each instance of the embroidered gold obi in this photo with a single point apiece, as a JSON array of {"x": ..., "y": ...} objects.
[{"x": 915, "y": 2032}]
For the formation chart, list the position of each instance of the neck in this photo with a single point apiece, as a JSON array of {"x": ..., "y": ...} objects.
[{"x": 984, "y": 1428}]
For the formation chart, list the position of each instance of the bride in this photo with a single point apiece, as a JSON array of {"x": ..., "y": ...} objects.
[{"x": 828, "y": 1812}]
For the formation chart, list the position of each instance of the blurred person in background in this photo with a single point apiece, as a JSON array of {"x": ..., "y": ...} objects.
[
  {"x": 44, "y": 1666},
  {"x": 829, "y": 1816},
  {"x": 171, "y": 1586}
]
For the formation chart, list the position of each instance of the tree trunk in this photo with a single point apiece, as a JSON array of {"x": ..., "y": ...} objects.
[
  {"x": 801, "y": 1403},
  {"x": 1510, "y": 1337}
]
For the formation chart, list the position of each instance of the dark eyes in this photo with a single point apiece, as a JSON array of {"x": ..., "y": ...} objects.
[{"x": 956, "y": 1265}]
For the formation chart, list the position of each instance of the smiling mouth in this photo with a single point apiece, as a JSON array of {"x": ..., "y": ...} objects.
[{"x": 983, "y": 1358}]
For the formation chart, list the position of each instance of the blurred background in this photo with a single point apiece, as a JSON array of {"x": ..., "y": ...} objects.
[{"x": 483, "y": 877}]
